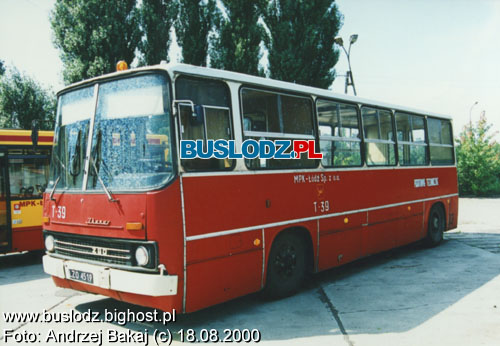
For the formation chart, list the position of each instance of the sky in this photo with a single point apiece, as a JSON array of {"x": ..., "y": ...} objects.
[{"x": 436, "y": 55}]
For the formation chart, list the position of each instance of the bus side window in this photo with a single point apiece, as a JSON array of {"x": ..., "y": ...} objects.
[
  {"x": 339, "y": 134},
  {"x": 190, "y": 127},
  {"x": 412, "y": 148},
  {"x": 379, "y": 141},
  {"x": 440, "y": 141},
  {"x": 212, "y": 120},
  {"x": 255, "y": 122},
  {"x": 28, "y": 177},
  {"x": 272, "y": 115}
]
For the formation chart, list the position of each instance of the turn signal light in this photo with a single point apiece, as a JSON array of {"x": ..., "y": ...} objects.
[
  {"x": 133, "y": 226},
  {"x": 45, "y": 219}
]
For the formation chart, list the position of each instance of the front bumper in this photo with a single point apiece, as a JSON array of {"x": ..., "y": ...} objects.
[{"x": 154, "y": 285}]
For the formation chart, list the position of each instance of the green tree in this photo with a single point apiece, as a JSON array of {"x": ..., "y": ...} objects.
[
  {"x": 478, "y": 160},
  {"x": 2, "y": 68},
  {"x": 300, "y": 40},
  {"x": 192, "y": 27},
  {"x": 93, "y": 35},
  {"x": 156, "y": 17},
  {"x": 236, "y": 46},
  {"x": 23, "y": 100}
]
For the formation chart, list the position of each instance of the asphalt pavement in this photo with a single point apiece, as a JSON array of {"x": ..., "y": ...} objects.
[{"x": 448, "y": 295}]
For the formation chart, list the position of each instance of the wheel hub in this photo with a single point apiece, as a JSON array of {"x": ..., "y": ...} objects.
[
  {"x": 286, "y": 262},
  {"x": 435, "y": 222}
]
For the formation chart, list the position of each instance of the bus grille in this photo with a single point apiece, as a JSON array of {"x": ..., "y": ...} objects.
[{"x": 95, "y": 249}]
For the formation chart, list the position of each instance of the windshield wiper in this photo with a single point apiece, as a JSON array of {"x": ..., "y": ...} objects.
[
  {"x": 110, "y": 197},
  {"x": 74, "y": 163},
  {"x": 95, "y": 153},
  {"x": 51, "y": 196}
]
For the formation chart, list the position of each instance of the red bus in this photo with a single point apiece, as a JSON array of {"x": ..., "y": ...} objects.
[
  {"x": 125, "y": 217},
  {"x": 23, "y": 177}
]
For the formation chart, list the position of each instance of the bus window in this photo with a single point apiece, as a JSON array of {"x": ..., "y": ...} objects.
[
  {"x": 212, "y": 120},
  {"x": 28, "y": 177},
  {"x": 339, "y": 134},
  {"x": 130, "y": 144},
  {"x": 440, "y": 141},
  {"x": 73, "y": 118},
  {"x": 412, "y": 148},
  {"x": 271, "y": 115},
  {"x": 379, "y": 141}
]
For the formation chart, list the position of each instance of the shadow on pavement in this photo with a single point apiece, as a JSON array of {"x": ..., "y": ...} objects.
[
  {"x": 392, "y": 292},
  {"x": 21, "y": 267},
  {"x": 489, "y": 241}
]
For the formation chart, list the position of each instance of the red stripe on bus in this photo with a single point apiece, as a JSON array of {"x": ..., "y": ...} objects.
[{"x": 10, "y": 138}]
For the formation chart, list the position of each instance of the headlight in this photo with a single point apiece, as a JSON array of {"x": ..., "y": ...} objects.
[
  {"x": 142, "y": 256},
  {"x": 49, "y": 243}
]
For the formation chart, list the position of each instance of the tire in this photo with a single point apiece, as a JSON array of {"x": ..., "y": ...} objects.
[
  {"x": 435, "y": 226},
  {"x": 286, "y": 266}
]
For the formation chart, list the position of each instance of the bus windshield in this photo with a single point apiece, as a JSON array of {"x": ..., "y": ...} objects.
[{"x": 129, "y": 144}]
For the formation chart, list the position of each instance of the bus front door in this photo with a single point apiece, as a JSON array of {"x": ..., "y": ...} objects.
[{"x": 5, "y": 234}]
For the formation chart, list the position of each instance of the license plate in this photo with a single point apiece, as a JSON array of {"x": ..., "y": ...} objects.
[{"x": 79, "y": 275}]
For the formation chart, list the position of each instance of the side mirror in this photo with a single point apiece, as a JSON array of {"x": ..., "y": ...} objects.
[
  {"x": 198, "y": 115},
  {"x": 34, "y": 133}
]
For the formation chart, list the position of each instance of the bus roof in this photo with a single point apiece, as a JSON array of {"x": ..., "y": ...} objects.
[{"x": 178, "y": 68}]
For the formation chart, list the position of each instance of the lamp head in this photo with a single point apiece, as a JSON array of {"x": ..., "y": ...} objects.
[{"x": 339, "y": 41}]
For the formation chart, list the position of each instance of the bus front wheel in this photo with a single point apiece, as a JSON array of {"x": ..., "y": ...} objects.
[
  {"x": 286, "y": 266},
  {"x": 436, "y": 226}
]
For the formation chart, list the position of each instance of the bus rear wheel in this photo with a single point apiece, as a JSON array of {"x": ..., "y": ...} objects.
[
  {"x": 286, "y": 266},
  {"x": 436, "y": 226}
]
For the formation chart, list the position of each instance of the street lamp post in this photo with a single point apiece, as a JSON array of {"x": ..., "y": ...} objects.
[
  {"x": 349, "y": 79},
  {"x": 470, "y": 114}
]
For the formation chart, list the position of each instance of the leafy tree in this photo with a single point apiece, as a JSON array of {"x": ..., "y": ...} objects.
[
  {"x": 156, "y": 18},
  {"x": 2, "y": 68},
  {"x": 23, "y": 100},
  {"x": 478, "y": 160},
  {"x": 94, "y": 35},
  {"x": 236, "y": 47},
  {"x": 192, "y": 27},
  {"x": 300, "y": 40}
]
